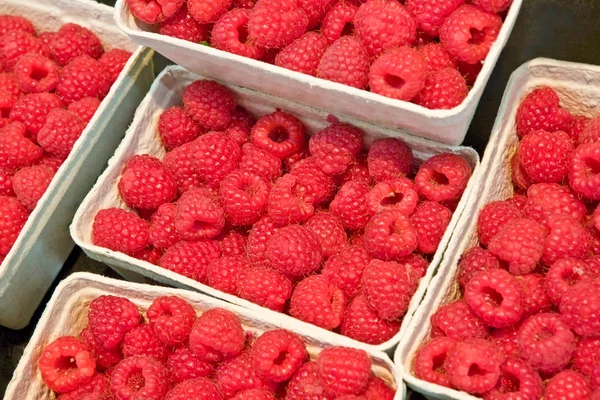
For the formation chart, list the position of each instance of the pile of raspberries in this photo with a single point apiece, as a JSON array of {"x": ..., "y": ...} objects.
[
  {"x": 51, "y": 84},
  {"x": 169, "y": 353},
  {"x": 309, "y": 226},
  {"x": 527, "y": 323},
  {"x": 425, "y": 51}
]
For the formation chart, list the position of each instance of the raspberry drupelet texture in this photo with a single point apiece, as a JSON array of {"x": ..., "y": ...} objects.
[
  {"x": 290, "y": 201},
  {"x": 183, "y": 26},
  {"x": 430, "y": 219},
  {"x": 457, "y": 321},
  {"x": 346, "y": 61},
  {"x": 442, "y": 90},
  {"x": 584, "y": 177},
  {"x": 339, "y": 21},
  {"x": 110, "y": 318},
  {"x": 398, "y": 194},
  {"x": 546, "y": 199},
  {"x": 30, "y": 183},
  {"x": 172, "y": 319},
  {"x": 399, "y": 73},
  {"x": 162, "y": 231},
  {"x": 180, "y": 162},
  {"x": 430, "y": 15},
  {"x": 258, "y": 239},
  {"x": 437, "y": 57},
  {"x": 147, "y": 185},
  {"x": 72, "y": 41},
  {"x": 15, "y": 23},
  {"x": 334, "y": 148},
  {"x": 343, "y": 370},
  {"x": 304, "y": 54},
  {"x": 6, "y": 183},
  {"x": 237, "y": 375},
  {"x": 154, "y": 11},
  {"x": 223, "y": 272},
  {"x": 277, "y": 23},
  {"x": 230, "y": 34},
  {"x": 36, "y": 73},
  {"x": 176, "y": 128},
  {"x": 443, "y": 177},
  {"x": 590, "y": 132},
  {"x": 507, "y": 340},
  {"x": 234, "y": 243},
  {"x": 83, "y": 77},
  {"x": 314, "y": 183},
  {"x": 16, "y": 44},
  {"x": 492, "y": 217},
  {"x": 85, "y": 108},
  {"x": 329, "y": 231},
  {"x": 566, "y": 238},
  {"x": 265, "y": 287},
  {"x": 214, "y": 156},
  {"x": 545, "y": 156},
  {"x": 578, "y": 126},
  {"x": 318, "y": 301},
  {"x": 198, "y": 215},
  {"x": 260, "y": 162},
  {"x": 363, "y": 324},
  {"x": 206, "y": 12},
  {"x": 209, "y": 104},
  {"x": 429, "y": 363},
  {"x": 244, "y": 196},
  {"x": 389, "y": 159},
  {"x": 580, "y": 306},
  {"x": 535, "y": 298},
  {"x": 97, "y": 388},
  {"x": 66, "y": 364},
  {"x": 217, "y": 335},
  {"x": 254, "y": 394},
  {"x": 191, "y": 259},
  {"x": 142, "y": 341},
  {"x": 495, "y": 6},
  {"x": 139, "y": 377},
  {"x": 295, "y": 251},
  {"x": 586, "y": 355},
  {"x": 278, "y": 133},
  {"x": 478, "y": 355},
  {"x": 16, "y": 150},
  {"x": 271, "y": 347},
  {"x": 197, "y": 388},
  {"x": 517, "y": 380},
  {"x": 120, "y": 230},
  {"x": 114, "y": 62},
  {"x": 105, "y": 358},
  {"x": 345, "y": 269},
  {"x": 378, "y": 389},
  {"x": 33, "y": 109},
  {"x": 568, "y": 384},
  {"x": 60, "y": 132},
  {"x": 240, "y": 125},
  {"x": 390, "y": 235},
  {"x": 305, "y": 383},
  {"x": 184, "y": 365},
  {"x": 541, "y": 110}
]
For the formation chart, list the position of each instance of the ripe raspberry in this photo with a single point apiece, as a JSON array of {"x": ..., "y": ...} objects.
[
  {"x": 535, "y": 298},
  {"x": 399, "y": 194},
  {"x": 339, "y": 21},
  {"x": 520, "y": 243},
  {"x": 230, "y": 33},
  {"x": 120, "y": 230},
  {"x": 507, "y": 340},
  {"x": 154, "y": 11},
  {"x": 295, "y": 158},
  {"x": 470, "y": 71},
  {"x": 36, "y": 73},
  {"x": 206, "y": 12},
  {"x": 72, "y": 41},
  {"x": 15, "y": 23},
  {"x": 176, "y": 128},
  {"x": 85, "y": 108},
  {"x": 258, "y": 238},
  {"x": 105, "y": 359},
  {"x": 66, "y": 364},
  {"x": 83, "y": 77},
  {"x": 519, "y": 201},
  {"x": 566, "y": 238},
  {"x": 345, "y": 269},
  {"x": 390, "y": 236},
  {"x": 15, "y": 44},
  {"x": 495, "y": 6},
  {"x": 334, "y": 148},
  {"x": 580, "y": 307},
  {"x": 278, "y": 354},
  {"x": 443, "y": 177},
  {"x": 114, "y": 62},
  {"x": 180, "y": 162},
  {"x": 217, "y": 335},
  {"x": 198, "y": 215},
  {"x": 234, "y": 244},
  {"x": 209, "y": 104},
  {"x": 240, "y": 125},
  {"x": 183, "y": 26},
  {"x": 184, "y": 365},
  {"x": 429, "y": 364},
  {"x": 318, "y": 301},
  {"x": 345, "y": 61},
  {"x": 417, "y": 263},
  {"x": 496, "y": 297},
  {"x": 519, "y": 176},
  {"x": 584, "y": 177},
  {"x": 304, "y": 54},
  {"x": 363, "y": 324},
  {"x": 378, "y": 389},
  {"x": 30, "y": 183},
  {"x": 384, "y": 24},
  {"x": 142, "y": 341},
  {"x": 289, "y": 201},
  {"x": 33, "y": 109},
  {"x": 60, "y": 132},
  {"x": 591, "y": 132},
  {"x": 6, "y": 183},
  {"x": 545, "y": 155},
  {"x": 343, "y": 370},
  {"x": 151, "y": 255},
  {"x": 10, "y": 87},
  {"x": 431, "y": 14},
  {"x": 518, "y": 381},
  {"x": 435, "y": 55},
  {"x": 254, "y": 394},
  {"x": 578, "y": 125},
  {"x": 350, "y": 205},
  {"x": 430, "y": 219},
  {"x": 442, "y": 90},
  {"x": 314, "y": 182},
  {"x": 237, "y": 375},
  {"x": 191, "y": 259},
  {"x": 469, "y": 32},
  {"x": 474, "y": 261},
  {"x": 279, "y": 133},
  {"x": 329, "y": 231},
  {"x": 265, "y": 287},
  {"x": 223, "y": 272},
  {"x": 110, "y": 318},
  {"x": 306, "y": 384},
  {"x": 541, "y": 110},
  {"x": 198, "y": 388},
  {"x": 97, "y": 388},
  {"x": 399, "y": 73},
  {"x": 162, "y": 231},
  {"x": 15, "y": 150},
  {"x": 294, "y": 251},
  {"x": 492, "y": 217},
  {"x": 171, "y": 319},
  {"x": 260, "y": 162},
  {"x": 277, "y": 23},
  {"x": 244, "y": 197},
  {"x": 457, "y": 321},
  {"x": 546, "y": 199},
  {"x": 477, "y": 355},
  {"x": 139, "y": 377},
  {"x": 147, "y": 185},
  {"x": 215, "y": 156},
  {"x": 568, "y": 384},
  {"x": 586, "y": 355},
  {"x": 389, "y": 159}
]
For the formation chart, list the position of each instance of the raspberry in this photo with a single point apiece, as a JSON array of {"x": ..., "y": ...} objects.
[
  {"x": 519, "y": 176},
  {"x": 568, "y": 384},
  {"x": 260, "y": 162},
  {"x": 176, "y": 128},
  {"x": 30, "y": 183},
  {"x": 304, "y": 54},
  {"x": 237, "y": 375},
  {"x": 85, "y": 108},
  {"x": 183, "y": 26},
  {"x": 46, "y": 37},
  {"x": 142, "y": 341},
  {"x": 430, "y": 15},
  {"x": 343, "y": 370},
  {"x": 244, "y": 3},
  {"x": 518, "y": 381},
  {"x": 519, "y": 201},
  {"x": 198, "y": 388},
  {"x": 442, "y": 90},
  {"x": 474, "y": 261},
  {"x": 36, "y": 73},
  {"x": 495, "y": 6},
  {"x": 345, "y": 269},
  {"x": 378, "y": 389},
  {"x": 567, "y": 238},
  {"x": 234, "y": 244},
  {"x": 430, "y": 219},
  {"x": 105, "y": 359},
  {"x": 389, "y": 159},
  {"x": 240, "y": 125},
  {"x": 295, "y": 158},
  {"x": 83, "y": 77},
  {"x": 520, "y": 243},
  {"x": 198, "y": 215},
  {"x": 535, "y": 298},
  {"x": 338, "y": 21},
  {"x": 329, "y": 231},
  {"x": 110, "y": 318},
  {"x": 363, "y": 324},
  {"x": 597, "y": 217},
  {"x": 586, "y": 354},
  {"x": 15, "y": 44},
  {"x": 313, "y": 181},
  {"x": 435, "y": 55},
  {"x": 469, "y": 32},
  {"x": 185, "y": 365},
  {"x": 180, "y": 162},
  {"x": 171, "y": 318},
  {"x": 215, "y": 156},
  {"x": 492, "y": 217},
  {"x": 223, "y": 273},
  {"x": 114, "y": 62},
  {"x": 147, "y": 185},
  {"x": 540, "y": 110},
  {"x": 120, "y": 230},
  {"x": 15, "y": 150},
  {"x": 429, "y": 364},
  {"x": 230, "y": 33},
  {"x": 465, "y": 358},
  {"x": 191, "y": 259},
  {"x": 507, "y": 340},
  {"x": 580, "y": 307},
  {"x": 97, "y": 388},
  {"x": 278, "y": 354},
  {"x": 154, "y": 11},
  {"x": 66, "y": 364},
  {"x": 33, "y": 109},
  {"x": 443, "y": 177},
  {"x": 254, "y": 394},
  {"x": 139, "y": 377},
  {"x": 384, "y": 24},
  {"x": 217, "y": 335},
  {"x": 289, "y": 201},
  {"x": 15, "y": 23},
  {"x": 72, "y": 41},
  {"x": 544, "y": 156},
  {"x": 584, "y": 177},
  {"x": 294, "y": 251},
  {"x": 279, "y": 133},
  {"x": 265, "y": 287},
  {"x": 60, "y": 132},
  {"x": 209, "y": 104},
  {"x": 6, "y": 184},
  {"x": 417, "y": 263},
  {"x": 399, "y": 74},
  {"x": 10, "y": 87},
  {"x": 578, "y": 125},
  {"x": 334, "y": 148},
  {"x": 591, "y": 132},
  {"x": 546, "y": 199},
  {"x": 318, "y": 301},
  {"x": 350, "y": 205},
  {"x": 277, "y": 23},
  {"x": 470, "y": 71},
  {"x": 244, "y": 197},
  {"x": 399, "y": 194},
  {"x": 162, "y": 231},
  {"x": 496, "y": 297},
  {"x": 258, "y": 238},
  {"x": 306, "y": 384},
  {"x": 390, "y": 236},
  {"x": 346, "y": 61},
  {"x": 457, "y": 321}
]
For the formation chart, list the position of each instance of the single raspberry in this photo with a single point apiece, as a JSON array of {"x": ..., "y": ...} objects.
[
  {"x": 240, "y": 125},
  {"x": 378, "y": 389},
  {"x": 9, "y": 84},
  {"x": 197, "y": 388},
  {"x": 105, "y": 358},
  {"x": 83, "y": 77},
  {"x": 430, "y": 15},
  {"x": 278, "y": 354},
  {"x": 443, "y": 177},
  {"x": 185, "y": 365},
  {"x": 546, "y": 199},
  {"x": 142, "y": 341},
  {"x": 183, "y": 26},
  {"x": 139, "y": 377},
  {"x": 114, "y": 62},
  {"x": 304, "y": 54},
  {"x": 584, "y": 177},
  {"x": 469, "y": 32},
  {"x": 457, "y": 321},
  {"x": 495, "y": 6},
  {"x": 541, "y": 110},
  {"x": 30, "y": 183},
  {"x": 578, "y": 125},
  {"x": 209, "y": 104},
  {"x": 519, "y": 201},
  {"x": 147, "y": 185},
  {"x": 315, "y": 10},
  {"x": 346, "y": 61},
  {"x": 294, "y": 251},
  {"x": 399, "y": 194},
  {"x": 66, "y": 364},
  {"x": 198, "y": 215},
  {"x": 215, "y": 155},
  {"x": 591, "y": 132},
  {"x": 258, "y": 239},
  {"x": 442, "y": 90},
  {"x": 120, "y": 230},
  {"x": 85, "y": 108},
  {"x": 545, "y": 155},
  {"x": 277, "y": 23},
  {"x": 389, "y": 159},
  {"x": 265, "y": 287},
  {"x": 15, "y": 23},
  {"x": 350, "y": 205},
  {"x": 568, "y": 384},
  {"x": 345, "y": 269},
  {"x": 334, "y": 148},
  {"x": 507, "y": 340},
  {"x": 162, "y": 231},
  {"x": 151, "y": 255},
  {"x": 492, "y": 217},
  {"x": 191, "y": 259},
  {"x": 399, "y": 73},
  {"x": 313, "y": 182},
  {"x": 217, "y": 335},
  {"x": 244, "y": 197},
  {"x": 260, "y": 162},
  {"x": 15, "y": 44},
  {"x": 238, "y": 374},
  {"x": 295, "y": 158},
  {"x": 72, "y": 41},
  {"x": 517, "y": 381},
  {"x": 289, "y": 201},
  {"x": 234, "y": 244},
  {"x": 435, "y": 55},
  {"x": 343, "y": 370},
  {"x": 6, "y": 183},
  {"x": 338, "y": 21},
  {"x": 206, "y": 12},
  {"x": 430, "y": 219},
  {"x": 180, "y": 162},
  {"x": 154, "y": 11},
  {"x": 97, "y": 388},
  {"x": 358, "y": 171},
  {"x": 223, "y": 272},
  {"x": 384, "y": 24},
  {"x": 363, "y": 324},
  {"x": 467, "y": 357},
  {"x": 33, "y": 109},
  {"x": 417, "y": 263},
  {"x": 474, "y": 261},
  {"x": 110, "y": 318},
  {"x": 60, "y": 132},
  {"x": 171, "y": 319},
  {"x": 306, "y": 384},
  {"x": 176, "y": 128},
  {"x": 230, "y": 33},
  {"x": 36, "y": 73},
  {"x": 566, "y": 238},
  {"x": 586, "y": 355},
  {"x": 535, "y": 298},
  {"x": 496, "y": 297},
  {"x": 390, "y": 235},
  {"x": 429, "y": 363},
  {"x": 15, "y": 150},
  {"x": 580, "y": 307},
  {"x": 254, "y": 394},
  {"x": 329, "y": 231},
  {"x": 318, "y": 301},
  {"x": 46, "y": 37},
  {"x": 279, "y": 133}
]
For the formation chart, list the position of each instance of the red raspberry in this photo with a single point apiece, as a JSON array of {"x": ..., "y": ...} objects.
[
  {"x": 289, "y": 201},
  {"x": 507, "y": 340},
  {"x": 223, "y": 272},
  {"x": 544, "y": 156},
  {"x": 46, "y": 37},
  {"x": 443, "y": 177},
  {"x": 244, "y": 3},
  {"x": 315, "y": 10},
  {"x": 142, "y": 341},
  {"x": 435, "y": 55},
  {"x": 470, "y": 71},
  {"x": 474, "y": 261},
  {"x": 15, "y": 150},
  {"x": 85, "y": 108},
  {"x": 237, "y": 375},
  {"x": 209, "y": 104},
  {"x": 254, "y": 394},
  {"x": 457, "y": 321},
  {"x": 345, "y": 269},
  {"x": 431, "y": 14},
  {"x": 260, "y": 162},
  {"x": 586, "y": 355},
  {"x": 584, "y": 177},
  {"x": 230, "y": 33},
  {"x": 176, "y": 128},
  {"x": 198, "y": 388},
  {"x": 519, "y": 176},
  {"x": 154, "y": 11},
  {"x": 495, "y": 6},
  {"x": 430, "y": 361},
  {"x": 294, "y": 251},
  {"x": 390, "y": 236},
  {"x": 363, "y": 324},
  {"x": 567, "y": 238},
  {"x": 162, "y": 231},
  {"x": 215, "y": 155},
  {"x": 185, "y": 365},
  {"x": 183, "y": 26},
  {"x": 546, "y": 199},
  {"x": 180, "y": 162},
  {"x": 258, "y": 238},
  {"x": 60, "y": 132},
  {"x": 277, "y": 23},
  {"x": 139, "y": 377},
  {"x": 151, "y": 255},
  {"x": 191, "y": 259},
  {"x": 15, "y": 23},
  {"x": 442, "y": 90},
  {"x": 384, "y": 24},
  {"x": 147, "y": 185},
  {"x": 33, "y": 109},
  {"x": 313, "y": 181},
  {"x": 30, "y": 183},
  {"x": 217, "y": 335},
  {"x": 234, "y": 244},
  {"x": 398, "y": 194},
  {"x": 97, "y": 388},
  {"x": 399, "y": 74},
  {"x": 36, "y": 73},
  {"x": 597, "y": 218},
  {"x": 580, "y": 307},
  {"x": 350, "y": 205},
  {"x": 477, "y": 355},
  {"x": 206, "y": 12},
  {"x": 496, "y": 297},
  {"x": 114, "y": 62},
  {"x": 417, "y": 263},
  {"x": 120, "y": 230},
  {"x": 6, "y": 184},
  {"x": 345, "y": 61},
  {"x": 278, "y": 354},
  {"x": 492, "y": 217},
  {"x": 334, "y": 148},
  {"x": 66, "y": 364},
  {"x": 72, "y": 41},
  {"x": 198, "y": 215},
  {"x": 518, "y": 381},
  {"x": 304, "y": 54},
  {"x": 10, "y": 87},
  {"x": 295, "y": 158},
  {"x": 343, "y": 370},
  {"x": 329, "y": 231},
  {"x": 171, "y": 318},
  {"x": 105, "y": 358},
  {"x": 541, "y": 110},
  {"x": 110, "y": 318},
  {"x": 591, "y": 131},
  {"x": 318, "y": 301},
  {"x": 306, "y": 384},
  {"x": 535, "y": 298},
  {"x": 15, "y": 44},
  {"x": 519, "y": 201},
  {"x": 244, "y": 197},
  {"x": 430, "y": 219},
  {"x": 240, "y": 126},
  {"x": 389, "y": 159},
  {"x": 568, "y": 384},
  {"x": 279, "y": 133},
  {"x": 578, "y": 125},
  {"x": 265, "y": 287},
  {"x": 83, "y": 77},
  {"x": 338, "y": 21},
  {"x": 378, "y": 389},
  {"x": 469, "y": 32}
]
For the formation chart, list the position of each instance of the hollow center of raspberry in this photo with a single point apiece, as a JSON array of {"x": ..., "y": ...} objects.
[
  {"x": 509, "y": 383},
  {"x": 281, "y": 358},
  {"x": 201, "y": 226},
  {"x": 572, "y": 277},
  {"x": 593, "y": 167},
  {"x": 476, "y": 370},
  {"x": 492, "y": 297},
  {"x": 38, "y": 73},
  {"x": 439, "y": 179},
  {"x": 394, "y": 81},
  {"x": 392, "y": 199},
  {"x": 279, "y": 134},
  {"x": 250, "y": 189},
  {"x": 348, "y": 29},
  {"x": 543, "y": 334},
  {"x": 65, "y": 364},
  {"x": 477, "y": 37},
  {"x": 136, "y": 381},
  {"x": 438, "y": 363}
]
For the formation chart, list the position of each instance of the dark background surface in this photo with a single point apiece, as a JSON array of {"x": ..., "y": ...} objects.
[{"x": 562, "y": 29}]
